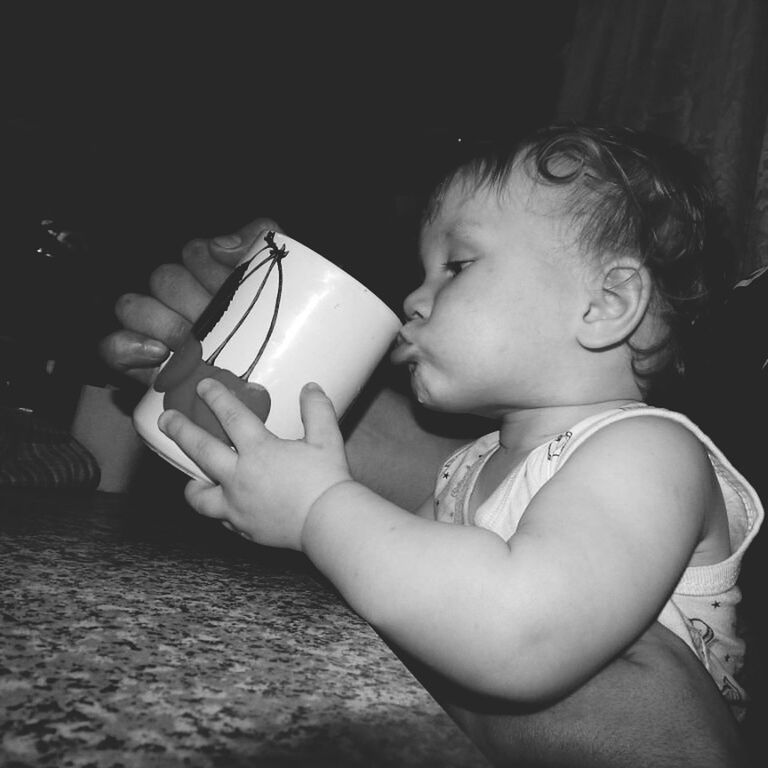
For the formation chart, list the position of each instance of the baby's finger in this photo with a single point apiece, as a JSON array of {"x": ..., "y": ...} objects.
[
  {"x": 238, "y": 421},
  {"x": 215, "y": 458},
  {"x": 319, "y": 417},
  {"x": 207, "y": 499},
  {"x": 234, "y": 529}
]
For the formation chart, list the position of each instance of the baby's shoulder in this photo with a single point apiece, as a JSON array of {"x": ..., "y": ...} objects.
[{"x": 638, "y": 436}]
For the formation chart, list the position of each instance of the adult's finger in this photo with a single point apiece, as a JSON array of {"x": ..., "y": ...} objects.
[
  {"x": 177, "y": 288},
  {"x": 229, "y": 249},
  {"x": 152, "y": 318},
  {"x": 319, "y": 417},
  {"x": 133, "y": 354},
  {"x": 209, "y": 272},
  {"x": 210, "y": 261}
]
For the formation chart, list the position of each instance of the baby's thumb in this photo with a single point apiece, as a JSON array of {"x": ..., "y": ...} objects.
[{"x": 319, "y": 417}]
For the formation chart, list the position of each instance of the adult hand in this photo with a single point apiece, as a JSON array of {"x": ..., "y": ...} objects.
[
  {"x": 155, "y": 324},
  {"x": 388, "y": 449},
  {"x": 654, "y": 705}
]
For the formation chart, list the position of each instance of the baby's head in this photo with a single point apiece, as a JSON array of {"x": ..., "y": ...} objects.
[{"x": 625, "y": 195}]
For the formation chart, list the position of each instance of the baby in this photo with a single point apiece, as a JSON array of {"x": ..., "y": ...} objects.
[{"x": 558, "y": 282}]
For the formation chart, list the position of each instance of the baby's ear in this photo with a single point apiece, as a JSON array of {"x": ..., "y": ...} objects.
[{"x": 617, "y": 305}]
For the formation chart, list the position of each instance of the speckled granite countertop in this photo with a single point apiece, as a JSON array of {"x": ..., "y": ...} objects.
[{"x": 139, "y": 636}]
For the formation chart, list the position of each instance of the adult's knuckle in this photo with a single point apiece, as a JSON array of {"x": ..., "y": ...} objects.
[
  {"x": 109, "y": 348},
  {"x": 177, "y": 332},
  {"x": 194, "y": 252},
  {"x": 164, "y": 279},
  {"x": 124, "y": 306}
]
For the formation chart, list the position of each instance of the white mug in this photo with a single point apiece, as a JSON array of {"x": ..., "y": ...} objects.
[{"x": 286, "y": 316}]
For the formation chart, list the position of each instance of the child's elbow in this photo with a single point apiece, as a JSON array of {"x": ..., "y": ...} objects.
[{"x": 528, "y": 679}]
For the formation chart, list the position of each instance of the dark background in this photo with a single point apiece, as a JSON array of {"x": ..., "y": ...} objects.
[{"x": 141, "y": 128}]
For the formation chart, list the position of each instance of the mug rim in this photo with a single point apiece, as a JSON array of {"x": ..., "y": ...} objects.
[{"x": 335, "y": 267}]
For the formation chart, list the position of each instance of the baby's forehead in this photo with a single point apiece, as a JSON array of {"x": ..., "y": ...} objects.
[
  {"x": 519, "y": 189},
  {"x": 518, "y": 196},
  {"x": 518, "y": 210}
]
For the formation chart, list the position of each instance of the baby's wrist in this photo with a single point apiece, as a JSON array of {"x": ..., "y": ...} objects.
[{"x": 313, "y": 519}]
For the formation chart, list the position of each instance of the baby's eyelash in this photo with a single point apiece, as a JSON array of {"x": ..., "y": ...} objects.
[{"x": 456, "y": 266}]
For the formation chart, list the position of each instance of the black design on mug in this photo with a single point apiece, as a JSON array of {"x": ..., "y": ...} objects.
[{"x": 179, "y": 378}]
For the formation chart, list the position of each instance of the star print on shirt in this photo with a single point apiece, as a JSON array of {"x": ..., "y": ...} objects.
[{"x": 555, "y": 448}]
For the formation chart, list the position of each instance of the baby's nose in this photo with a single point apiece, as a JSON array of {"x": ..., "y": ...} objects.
[{"x": 416, "y": 304}]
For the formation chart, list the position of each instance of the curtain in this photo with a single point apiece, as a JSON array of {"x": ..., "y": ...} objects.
[{"x": 695, "y": 71}]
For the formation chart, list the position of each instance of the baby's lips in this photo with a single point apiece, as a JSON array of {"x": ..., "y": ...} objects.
[{"x": 401, "y": 350}]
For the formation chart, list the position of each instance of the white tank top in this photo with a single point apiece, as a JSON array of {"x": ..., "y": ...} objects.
[{"x": 702, "y": 609}]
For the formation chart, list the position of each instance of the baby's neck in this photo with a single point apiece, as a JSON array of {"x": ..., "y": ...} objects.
[{"x": 525, "y": 429}]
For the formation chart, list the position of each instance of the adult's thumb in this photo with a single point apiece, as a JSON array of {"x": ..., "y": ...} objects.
[{"x": 229, "y": 249}]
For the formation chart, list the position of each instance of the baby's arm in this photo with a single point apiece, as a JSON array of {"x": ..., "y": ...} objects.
[{"x": 588, "y": 570}]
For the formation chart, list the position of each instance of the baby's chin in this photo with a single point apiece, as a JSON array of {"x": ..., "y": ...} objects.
[
  {"x": 426, "y": 394},
  {"x": 418, "y": 387}
]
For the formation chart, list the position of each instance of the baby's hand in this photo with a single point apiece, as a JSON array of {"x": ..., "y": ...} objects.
[{"x": 266, "y": 488}]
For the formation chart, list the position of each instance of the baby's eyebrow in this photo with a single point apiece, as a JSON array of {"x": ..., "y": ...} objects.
[
  {"x": 465, "y": 233},
  {"x": 462, "y": 229}
]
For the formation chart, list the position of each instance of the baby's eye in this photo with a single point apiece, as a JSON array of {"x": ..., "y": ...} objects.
[{"x": 456, "y": 266}]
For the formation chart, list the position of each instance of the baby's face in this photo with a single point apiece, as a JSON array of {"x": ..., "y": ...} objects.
[{"x": 491, "y": 327}]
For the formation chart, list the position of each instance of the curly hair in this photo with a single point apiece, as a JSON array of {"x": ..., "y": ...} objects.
[{"x": 628, "y": 193}]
